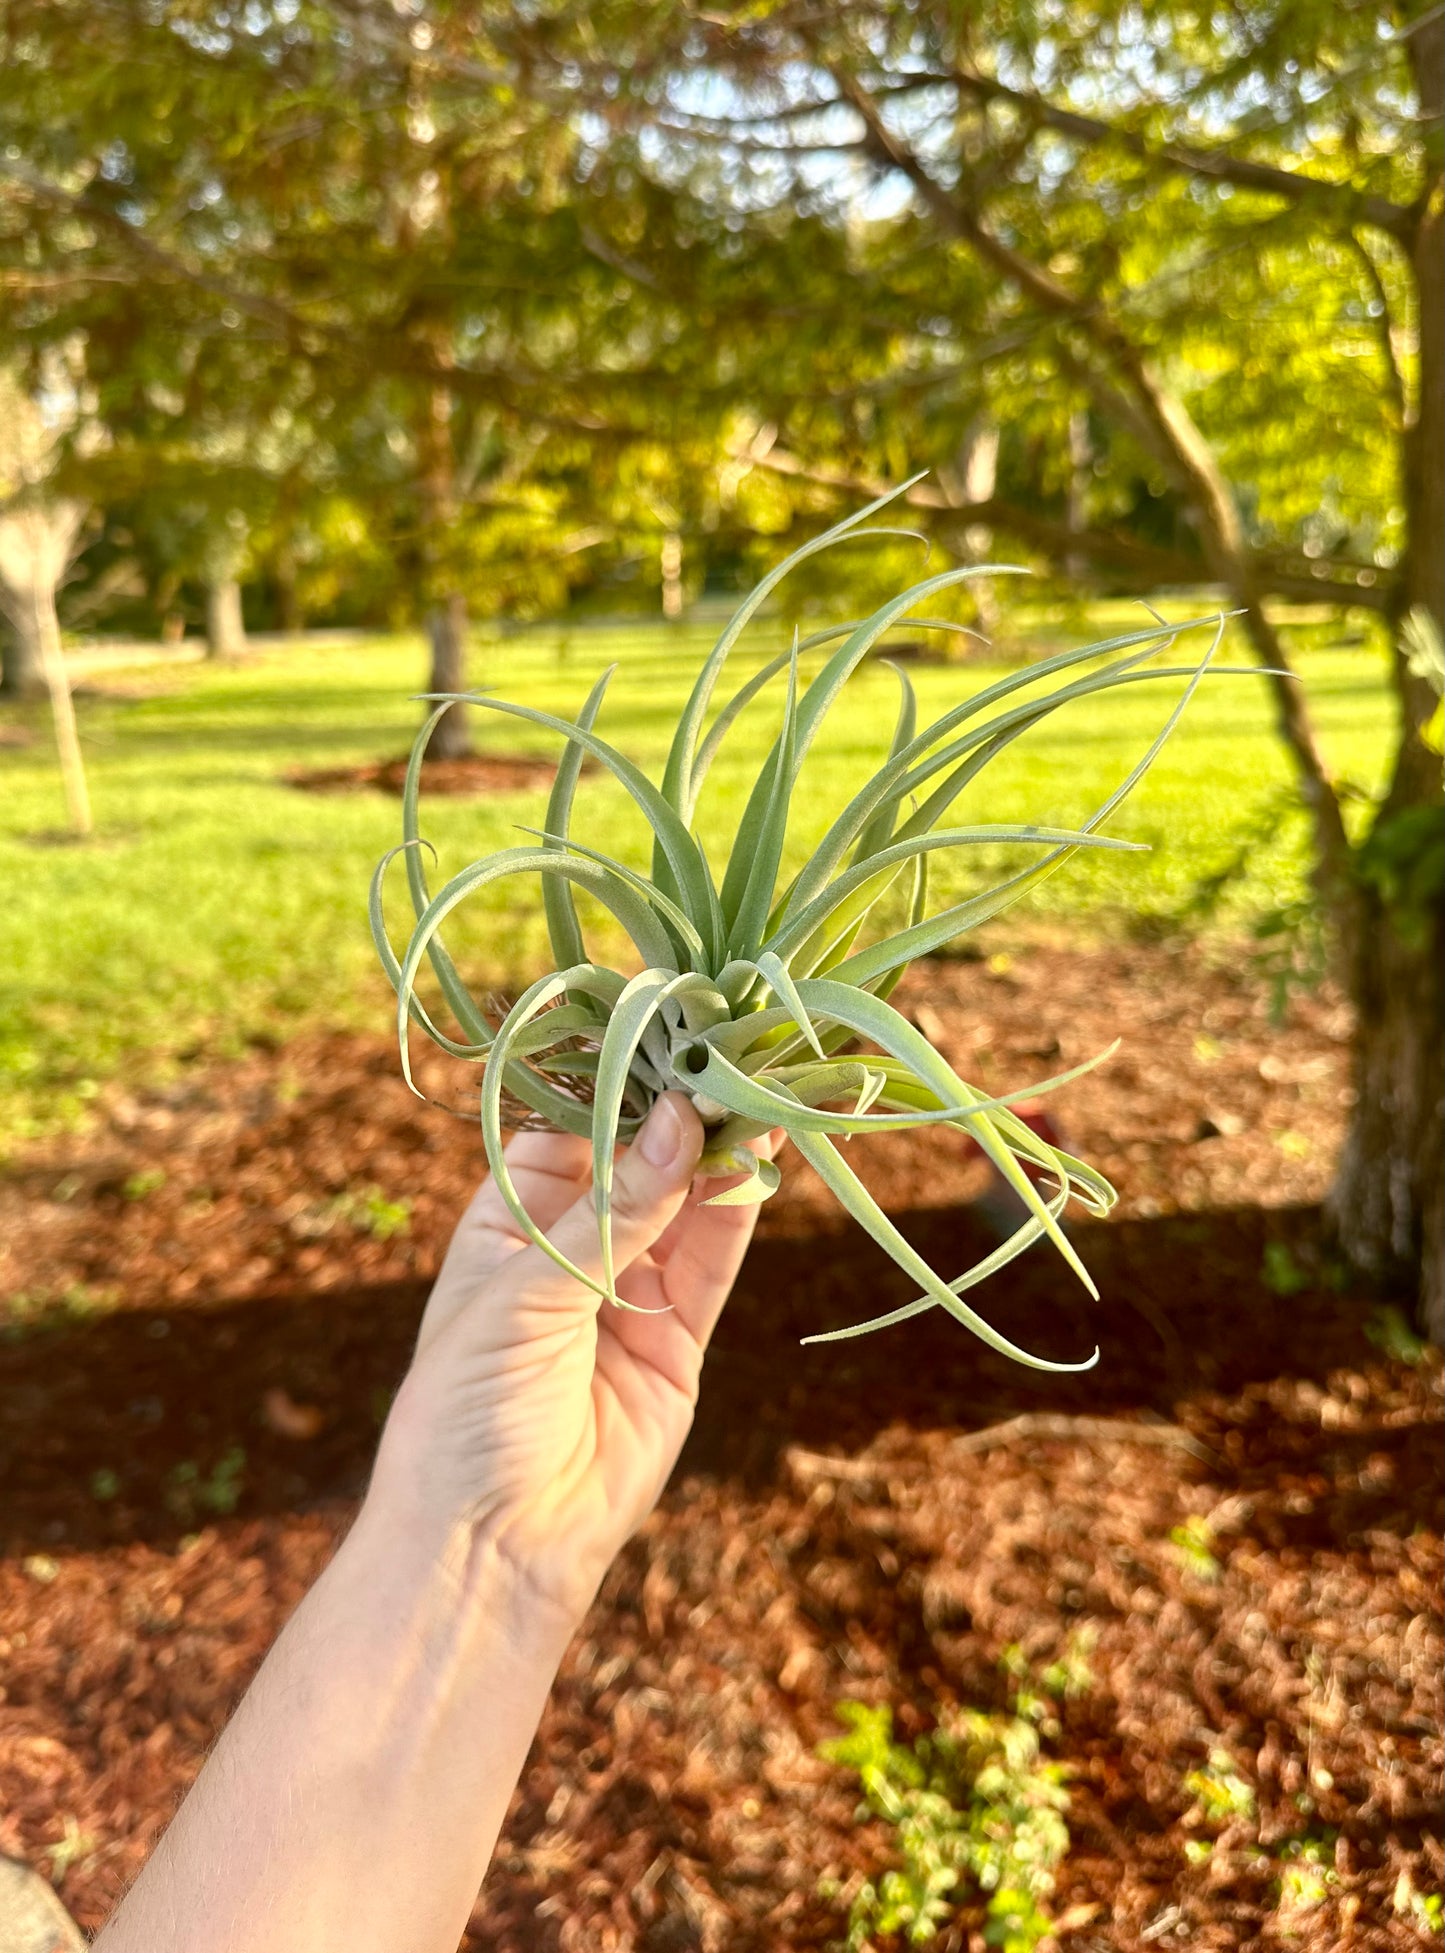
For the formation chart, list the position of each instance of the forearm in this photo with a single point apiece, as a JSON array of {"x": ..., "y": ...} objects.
[{"x": 355, "y": 1799}]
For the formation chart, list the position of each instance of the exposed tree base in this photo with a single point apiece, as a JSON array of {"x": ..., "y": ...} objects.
[
  {"x": 446, "y": 629},
  {"x": 225, "y": 625},
  {"x": 21, "y": 674},
  {"x": 1389, "y": 1192}
]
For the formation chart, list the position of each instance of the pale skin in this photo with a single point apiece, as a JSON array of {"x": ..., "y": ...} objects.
[{"x": 354, "y": 1800}]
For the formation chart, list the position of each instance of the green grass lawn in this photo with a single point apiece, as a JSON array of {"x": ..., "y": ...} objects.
[{"x": 217, "y": 903}]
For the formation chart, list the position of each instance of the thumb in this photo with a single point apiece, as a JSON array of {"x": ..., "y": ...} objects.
[{"x": 649, "y": 1187}]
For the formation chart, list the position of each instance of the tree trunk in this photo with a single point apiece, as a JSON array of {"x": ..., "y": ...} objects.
[
  {"x": 672, "y": 592},
  {"x": 225, "y": 625},
  {"x": 446, "y": 629},
  {"x": 289, "y": 612},
  {"x": 974, "y": 478},
  {"x": 1389, "y": 1189},
  {"x": 1081, "y": 461},
  {"x": 37, "y": 625},
  {"x": 446, "y": 618},
  {"x": 22, "y": 659},
  {"x": 1388, "y": 1200}
]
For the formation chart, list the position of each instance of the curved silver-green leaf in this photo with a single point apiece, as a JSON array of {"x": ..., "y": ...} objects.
[
  {"x": 532, "y": 1000},
  {"x": 779, "y": 979},
  {"x": 874, "y": 1019},
  {"x": 564, "y": 931},
  {"x": 858, "y": 880},
  {"x": 635, "y": 1009},
  {"x": 677, "y": 920},
  {"x": 842, "y": 1182},
  {"x": 677, "y": 775},
  {"x": 392, "y": 966},
  {"x": 814, "y": 706},
  {"x": 763, "y": 849},
  {"x": 684, "y": 856},
  {"x": 636, "y": 917},
  {"x": 460, "y": 1001},
  {"x": 760, "y": 1185},
  {"x": 1007, "y": 1251},
  {"x": 763, "y": 1097},
  {"x": 893, "y": 776},
  {"x": 879, "y": 830},
  {"x": 923, "y": 938}
]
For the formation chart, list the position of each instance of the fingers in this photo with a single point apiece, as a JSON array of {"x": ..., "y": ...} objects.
[
  {"x": 649, "y": 1188},
  {"x": 692, "y": 1269},
  {"x": 549, "y": 1170}
]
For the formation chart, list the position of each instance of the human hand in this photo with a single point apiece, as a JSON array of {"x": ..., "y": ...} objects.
[{"x": 538, "y": 1419}]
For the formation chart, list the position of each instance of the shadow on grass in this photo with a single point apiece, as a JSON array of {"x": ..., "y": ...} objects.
[{"x": 144, "y": 1425}]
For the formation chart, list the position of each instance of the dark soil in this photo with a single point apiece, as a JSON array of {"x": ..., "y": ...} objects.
[
  {"x": 472, "y": 773},
  {"x": 213, "y": 1294}
]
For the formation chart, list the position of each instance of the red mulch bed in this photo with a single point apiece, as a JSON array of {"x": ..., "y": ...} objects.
[
  {"x": 472, "y": 773},
  {"x": 202, "y": 1274}
]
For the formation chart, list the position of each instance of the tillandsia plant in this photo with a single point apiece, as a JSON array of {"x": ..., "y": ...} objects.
[{"x": 762, "y": 998}]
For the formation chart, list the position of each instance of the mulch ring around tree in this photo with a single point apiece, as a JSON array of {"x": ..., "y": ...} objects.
[
  {"x": 213, "y": 1294},
  {"x": 471, "y": 773}
]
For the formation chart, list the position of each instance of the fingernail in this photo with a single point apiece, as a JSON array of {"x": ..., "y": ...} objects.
[{"x": 660, "y": 1140}]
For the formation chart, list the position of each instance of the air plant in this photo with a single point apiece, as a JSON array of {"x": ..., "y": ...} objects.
[{"x": 763, "y": 1000}]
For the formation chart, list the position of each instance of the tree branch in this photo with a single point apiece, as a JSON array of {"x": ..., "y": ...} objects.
[
  {"x": 1280, "y": 575},
  {"x": 1162, "y": 419},
  {"x": 1347, "y": 205},
  {"x": 1395, "y": 372}
]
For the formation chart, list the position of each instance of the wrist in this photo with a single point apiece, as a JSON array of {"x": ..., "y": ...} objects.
[{"x": 458, "y": 1564}]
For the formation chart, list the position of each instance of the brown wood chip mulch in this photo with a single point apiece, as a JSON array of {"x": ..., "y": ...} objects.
[{"x": 211, "y": 1295}]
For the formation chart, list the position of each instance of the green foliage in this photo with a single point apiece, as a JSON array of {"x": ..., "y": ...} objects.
[
  {"x": 38, "y": 1312},
  {"x": 1306, "y": 1874},
  {"x": 1281, "y": 1272},
  {"x": 1071, "y": 1676},
  {"x": 1403, "y": 861},
  {"x": 369, "y": 1211},
  {"x": 190, "y": 1490},
  {"x": 1388, "y": 1328},
  {"x": 1220, "y": 1794},
  {"x": 1424, "y": 1910},
  {"x": 1193, "y": 1544},
  {"x": 974, "y": 1808},
  {"x": 757, "y": 989}
]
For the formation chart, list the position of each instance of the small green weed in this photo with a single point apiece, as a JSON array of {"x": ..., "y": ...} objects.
[
  {"x": 1282, "y": 1273},
  {"x": 1072, "y": 1676},
  {"x": 72, "y": 1844},
  {"x": 190, "y": 1491},
  {"x": 1424, "y": 1910},
  {"x": 975, "y": 1809},
  {"x": 36, "y": 1312},
  {"x": 139, "y": 1186},
  {"x": 1389, "y": 1330},
  {"x": 1220, "y": 1794},
  {"x": 1306, "y": 1874},
  {"x": 1193, "y": 1545},
  {"x": 368, "y": 1210}
]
